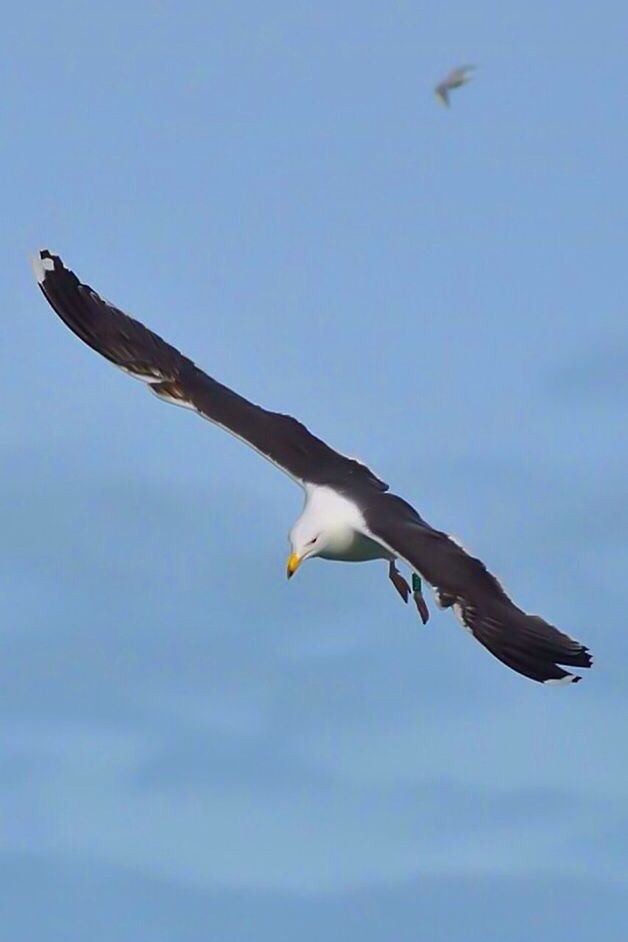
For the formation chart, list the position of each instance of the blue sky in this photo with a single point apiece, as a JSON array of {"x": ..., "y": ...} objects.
[{"x": 191, "y": 748}]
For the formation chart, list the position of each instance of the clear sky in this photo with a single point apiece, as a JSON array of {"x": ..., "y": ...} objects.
[{"x": 191, "y": 748}]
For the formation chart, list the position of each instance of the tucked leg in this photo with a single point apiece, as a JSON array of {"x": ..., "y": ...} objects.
[{"x": 398, "y": 581}]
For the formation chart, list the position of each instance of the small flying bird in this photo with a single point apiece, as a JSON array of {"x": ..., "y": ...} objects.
[
  {"x": 348, "y": 513},
  {"x": 454, "y": 79}
]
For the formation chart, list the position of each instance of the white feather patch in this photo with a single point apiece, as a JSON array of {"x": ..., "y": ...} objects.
[{"x": 41, "y": 266}]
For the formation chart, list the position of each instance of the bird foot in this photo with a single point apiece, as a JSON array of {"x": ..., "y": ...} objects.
[
  {"x": 399, "y": 582},
  {"x": 419, "y": 600},
  {"x": 404, "y": 590}
]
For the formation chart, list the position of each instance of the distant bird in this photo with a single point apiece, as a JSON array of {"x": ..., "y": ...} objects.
[
  {"x": 454, "y": 79},
  {"x": 348, "y": 515}
]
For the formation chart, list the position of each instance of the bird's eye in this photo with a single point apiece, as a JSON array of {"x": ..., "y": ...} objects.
[{"x": 312, "y": 541}]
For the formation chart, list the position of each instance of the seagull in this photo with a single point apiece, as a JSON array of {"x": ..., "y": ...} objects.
[
  {"x": 454, "y": 79},
  {"x": 349, "y": 515}
]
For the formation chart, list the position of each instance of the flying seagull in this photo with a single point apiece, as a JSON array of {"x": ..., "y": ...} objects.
[
  {"x": 454, "y": 79},
  {"x": 348, "y": 514}
]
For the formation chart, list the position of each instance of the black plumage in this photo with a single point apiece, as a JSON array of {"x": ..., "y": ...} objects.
[
  {"x": 526, "y": 643},
  {"x": 130, "y": 345}
]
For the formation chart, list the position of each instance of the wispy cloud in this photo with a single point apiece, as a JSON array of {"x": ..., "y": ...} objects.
[
  {"x": 40, "y": 893},
  {"x": 599, "y": 373}
]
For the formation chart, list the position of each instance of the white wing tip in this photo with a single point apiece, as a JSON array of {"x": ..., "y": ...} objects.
[
  {"x": 559, "y": 681},
  {"x": 42, "y": 263}
]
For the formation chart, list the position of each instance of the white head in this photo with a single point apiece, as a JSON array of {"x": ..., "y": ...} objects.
[
  {"x": 305, "y": 541},
  {"x": 325, "y": 528}
]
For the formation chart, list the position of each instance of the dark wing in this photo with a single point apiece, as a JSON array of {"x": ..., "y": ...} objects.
[
  {"x": 175, "y": 378},
  {"x": 454, "y": 79},
  {"x": 442, "y": 93},
  {"x": 526, "y": 643}
]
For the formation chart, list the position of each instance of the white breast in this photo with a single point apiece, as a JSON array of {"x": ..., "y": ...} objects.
[
  {"x": 327, "y": 510},
  {"x": 358, "y": 550}
]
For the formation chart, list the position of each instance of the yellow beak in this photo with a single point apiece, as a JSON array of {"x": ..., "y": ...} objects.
[{"x": 294, "y": 561}]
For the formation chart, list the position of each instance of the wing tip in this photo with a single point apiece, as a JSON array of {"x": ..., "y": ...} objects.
[
  {"x": 42, "y": 263},
  {"x": 561, "y": 681},
  {"x": 525, "y": 643}
]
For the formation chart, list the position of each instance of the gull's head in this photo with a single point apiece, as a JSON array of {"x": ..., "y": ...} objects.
[
  {"x": 309, "y": 537},
  {"x": 325, "y": 528},
  {"x": 305, "y": 540}
]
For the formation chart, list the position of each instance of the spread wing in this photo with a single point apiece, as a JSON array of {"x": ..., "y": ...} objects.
[
  {"x": 442, "y": 93},
  {"x": 281, "y": 439},
  {"x": 526, "y": 643},
  {"x": 454, "y": 79}
]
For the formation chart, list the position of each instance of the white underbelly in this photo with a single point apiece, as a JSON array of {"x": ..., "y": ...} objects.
[{"x": 359, "y": 550}]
